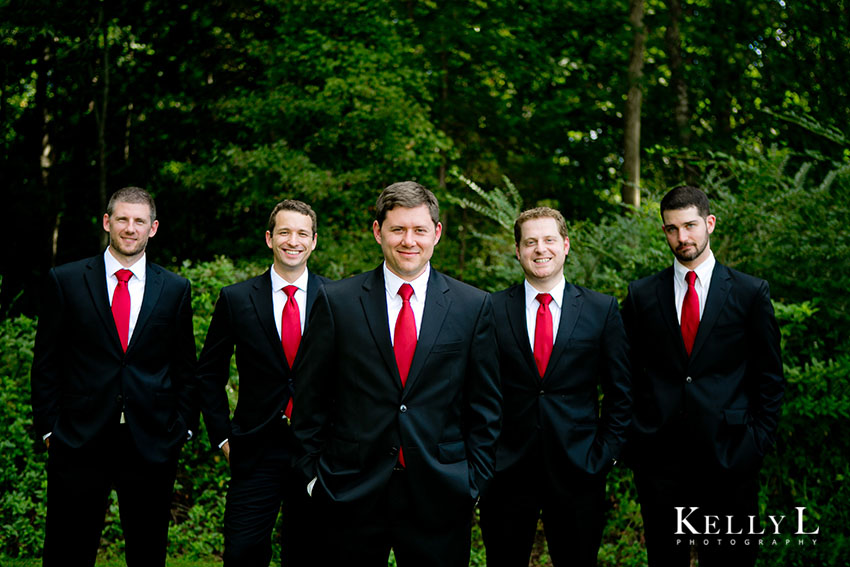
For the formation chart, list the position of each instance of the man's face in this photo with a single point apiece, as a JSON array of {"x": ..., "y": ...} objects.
[
  {"x": 542, "y": 252},
  {"x": 292, "y": 242},
  {"x": 407, "y": 238},
  {"x": 688, "y": 234},
  {"x": 129, "y": 227}
]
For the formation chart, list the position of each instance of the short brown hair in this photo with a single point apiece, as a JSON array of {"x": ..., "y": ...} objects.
[
  {"x": 407, "y": 194},
  {"x": 536, "y": 213},
  {"x": 295, "y": 206},
  {"x": 135, "y": 195},
  {"x": 684, "y": 197}
]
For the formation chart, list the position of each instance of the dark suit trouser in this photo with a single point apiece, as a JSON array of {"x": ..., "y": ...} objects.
[
  {"x": 362, "y": 533},
  {"x": 254, "y": 499},
  {"x": 572, "y": 510},
  {"x": 720, "y": 493},
  {"x": 78, "y": 485}
]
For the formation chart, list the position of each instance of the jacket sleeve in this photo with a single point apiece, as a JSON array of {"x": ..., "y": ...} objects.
[
  {"x": 214, "y": 372},
  {"x": 47, "y": 354},
  {"x": 484, "y": 401}
]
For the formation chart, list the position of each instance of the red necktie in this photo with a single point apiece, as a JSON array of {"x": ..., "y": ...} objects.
[
  {"x": 690, "y": 313},
  {"x": 543, "y": 335},
  {"x": 290, "y": 332},
  {"x": 404, "y": 341},
  {"x": 121, "y": 306}
]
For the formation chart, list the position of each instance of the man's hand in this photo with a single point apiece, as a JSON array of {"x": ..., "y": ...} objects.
[
  {"x": 47, "y": 442},
  {"x": 226, "y": 450}
]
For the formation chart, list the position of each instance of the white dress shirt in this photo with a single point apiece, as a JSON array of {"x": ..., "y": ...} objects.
[
  {"x": 531, "y": 306},
  {"x": 279, "y": 298},
  {"x": 392, "y": 283},
  {"x": 135, "y": 285},
  {"x": 680, "y": 285}
]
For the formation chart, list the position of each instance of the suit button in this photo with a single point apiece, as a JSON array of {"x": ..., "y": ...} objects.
[
  {"x": 403, "y": 408},
  {"x": 688, "y": 379},
  {"x": 393, "y": 451},
  {"x": 119, "y": 398},
  {"x": 542, "y": 392}
]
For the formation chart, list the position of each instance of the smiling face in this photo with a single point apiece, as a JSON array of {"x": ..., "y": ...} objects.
[
  {"x": 688, "y": 235},
  {"x": 407, "y": 238},
  {"x": 541, "y": 252},
  {"x": 292, "y": 241},
  {"x": 129, "y": 227}
]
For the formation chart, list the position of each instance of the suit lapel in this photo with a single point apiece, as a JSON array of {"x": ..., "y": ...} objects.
[
  {"x": 261, "y": 299},
  {"x": 153, "y": 287},
  {"x": 374, "y": 303},
  {"x": 437, "y": 305},
  {"x": 95, "y": 278},
  {"x": 570, "y": 310},
  {"x": 313, "y": 284},
  {"x": 718, "y": 291},
  {"x": 667, "y": 300},
  {"x": 515, "y": 307}
]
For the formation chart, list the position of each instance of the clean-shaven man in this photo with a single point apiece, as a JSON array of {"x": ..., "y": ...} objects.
[{"x": 263, "y": 319}]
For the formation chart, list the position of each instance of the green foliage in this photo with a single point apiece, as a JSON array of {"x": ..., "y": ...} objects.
[{"x": 23, "y": 477}]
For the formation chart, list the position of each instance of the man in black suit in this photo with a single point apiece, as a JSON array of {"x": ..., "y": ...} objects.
[
  {"x": 263, "y": 319},
  {"x": 112, "y": 390},
  {"x": 558, "y": 343},
  {"x": 708, "y": 389},
  {"x": 398, "y": 401}
]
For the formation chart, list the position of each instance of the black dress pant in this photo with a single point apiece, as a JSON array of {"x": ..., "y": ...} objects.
[
  {"x": 570, "y": 502},
  {"x": 78, "y": 485},
  {"x": 254, "y": 499},
  {"x": 362, "y": 533},
  {"x": 715, "y": 494}
]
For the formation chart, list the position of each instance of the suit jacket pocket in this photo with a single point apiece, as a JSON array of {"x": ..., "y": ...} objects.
[
  {"x": 454, "y": 346},
  {"x": 451, "y": 452},
  {"x": 735, "y": 416},
  {"x": 165, "y": 400},
  {"x": 343, "y": 455},
  {"x": 74, "y": 403}
]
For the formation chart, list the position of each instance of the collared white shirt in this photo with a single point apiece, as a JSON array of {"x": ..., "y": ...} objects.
[
  {"x": 279, "y": 297},
  {"x": 394, "y": 301},
  {"x": 135, "y": 285},
  {"x": 555, "y": 306},
  {"x": 680, "y": 285}
]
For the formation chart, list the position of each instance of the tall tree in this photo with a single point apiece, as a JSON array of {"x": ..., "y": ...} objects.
[{"x": 631, "y": 154}]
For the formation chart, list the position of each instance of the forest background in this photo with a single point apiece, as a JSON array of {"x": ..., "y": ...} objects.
[{"x": 222, "y": 107}]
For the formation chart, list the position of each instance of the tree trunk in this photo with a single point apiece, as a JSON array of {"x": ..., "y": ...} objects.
[
  {"x": 100, "y": 117},
  {"x": 631, "y": 184},
  {"x": 46, "y": 157},
  {"x": 673, "y": 39}
]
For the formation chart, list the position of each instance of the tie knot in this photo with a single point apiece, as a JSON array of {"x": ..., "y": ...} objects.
[
  {"x": 290, "y": 290},
  {"x": 123, "y": 275},
  {"x": 405, "y": 291},
  {"x": 544, "y": 298},
  {"x": 691, "y": 277}
]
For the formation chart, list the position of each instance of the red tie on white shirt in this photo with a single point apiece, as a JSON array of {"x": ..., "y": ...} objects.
[
  {"x": 543, "y": 334},
  {"x": 121, "y": 306},
  {"x": 404, "y": 341},
  {"x": 290, "y": 333},
  {"x": 690, "y": 313}
]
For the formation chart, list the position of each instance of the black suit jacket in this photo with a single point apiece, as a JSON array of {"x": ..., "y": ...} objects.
[
  {"x": 244, "y": 319},
  {"x": 720, "y": 406},
  {"x": 81, "y": 377},
  {"x": 352, "y": 413},
  {"x": 560, "y": 414}
]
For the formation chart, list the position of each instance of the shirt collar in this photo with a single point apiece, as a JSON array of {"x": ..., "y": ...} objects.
[
  {"x": 139, "y": 267},
  {"x": 419, "y": 285},
  {"x": 703, "y": 271},
  {"x": 556, "y": 292},
  {"x": 278, "y": 283}
]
